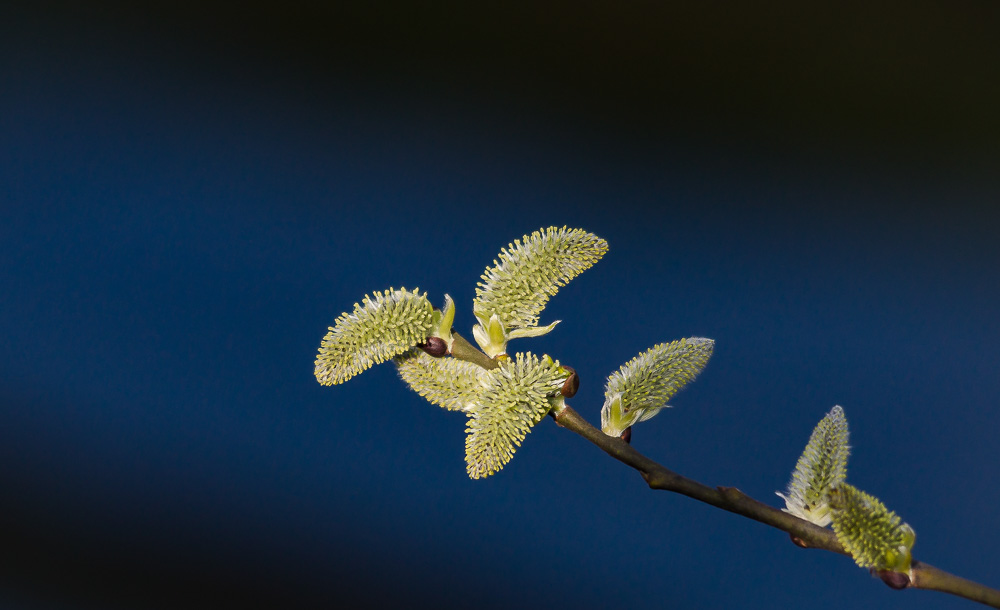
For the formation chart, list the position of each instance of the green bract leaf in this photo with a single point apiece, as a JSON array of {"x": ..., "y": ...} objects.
[
  {"x": 443, "y": 319},
  {"x": 642, "y": 386},
  {"x": 871, "y": 533},
  {"x": 822, "y": 466},
  {"x": 528, "y": 273},
  {"x": 378, "y": 329},
  {"x": 491, "y": 336},
  {"x": 515, "y": 398},
  {"x": 453, "y": 384}
]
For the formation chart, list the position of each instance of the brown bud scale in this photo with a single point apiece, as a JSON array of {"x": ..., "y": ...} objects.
[
  {"x": 893, "y": 580},
  {"x": 572, "y": 383},
  {"x": 434, "y": 346}
]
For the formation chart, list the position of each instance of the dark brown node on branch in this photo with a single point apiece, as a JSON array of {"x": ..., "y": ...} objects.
[
  {"x": 627, "y": 435},
  {"x": 434, "y": 346},
  {"x": 893, "y": 580},
  {"x": 798, "y": 541},
  {"x": 572, "y": 383}
]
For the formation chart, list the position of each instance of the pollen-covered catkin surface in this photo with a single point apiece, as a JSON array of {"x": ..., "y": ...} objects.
[
  {"x": 821, "y": 467},
  {"x": 531, "y": 270},
  {"x": 650, "y": 379},
  {"x": 378, "y": 329},
  {"x": 450, "y": 383},
  {"x": 516, "y": 397},
  {"x": 871, "y": 533}
]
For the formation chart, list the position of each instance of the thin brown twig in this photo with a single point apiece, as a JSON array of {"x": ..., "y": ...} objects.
[
  {"x": 803, "y": 533},
  {"x": 922, "y": 575}
]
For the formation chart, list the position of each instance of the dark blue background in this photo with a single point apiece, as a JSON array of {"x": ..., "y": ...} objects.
[{"x": 191, "y": 195}]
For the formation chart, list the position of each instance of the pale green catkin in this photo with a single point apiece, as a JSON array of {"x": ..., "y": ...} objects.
[
  {"x": 515, "y": 398},
  {"x": 822, "y": 466},
  {"x": 643, "y": 385},
  {"x": 378, "y": 329},
  {"x": 531, "y": 271},
  {"x": 447, "y": 382}
]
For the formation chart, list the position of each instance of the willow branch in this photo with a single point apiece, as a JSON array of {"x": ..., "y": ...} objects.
[
  {"x": 926, "y": 576},
  {"x": 803, "y": 533}
]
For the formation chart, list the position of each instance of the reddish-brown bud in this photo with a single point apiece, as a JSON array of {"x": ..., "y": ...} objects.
[
  {"x": 893, "y": 580},
  {"x": 798, "y": 541},
  {"x": 627, "y": 435},
  {"x": 435, "y": 346},
  {"x": 572, "y": 383}
]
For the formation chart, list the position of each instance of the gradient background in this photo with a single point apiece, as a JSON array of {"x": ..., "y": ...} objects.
[{"x": 191, "y": 194}]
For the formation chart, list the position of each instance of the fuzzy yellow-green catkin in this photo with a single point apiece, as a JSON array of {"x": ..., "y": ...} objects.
[
  {"x": 515, "y": 398},
  {"x": 873, "y": 535},
  {"x": 822, "y": 466},
  {"x": 453, "y": 384},
  {"x": 531, "y": 270},
  {"x": 379, "y": 328},
  {"x": 643, "y": 385}
]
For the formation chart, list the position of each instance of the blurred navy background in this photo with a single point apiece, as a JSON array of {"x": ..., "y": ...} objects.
[{"x": 191, "y": 194}]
